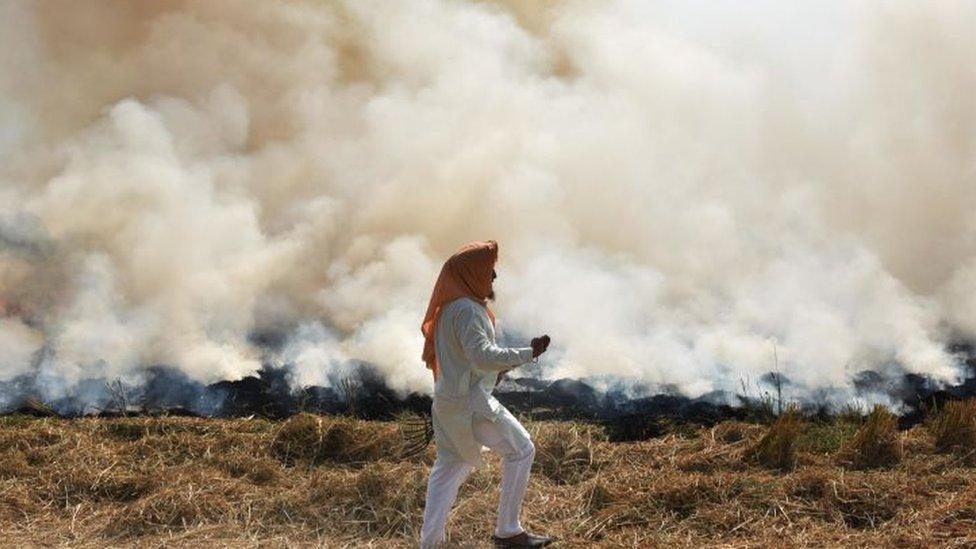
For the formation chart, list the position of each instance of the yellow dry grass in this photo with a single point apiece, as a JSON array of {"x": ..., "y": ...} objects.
[
  {"x": 777, "y": 448},
  {"x": 876, "y": 444},
  {"x": 954, "y": 429},
  {"x": 315, "y": 439},
  {"x": 334, "y": 482}
]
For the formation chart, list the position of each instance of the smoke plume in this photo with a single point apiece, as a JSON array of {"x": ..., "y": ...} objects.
[{"x": 678, "y": 188}]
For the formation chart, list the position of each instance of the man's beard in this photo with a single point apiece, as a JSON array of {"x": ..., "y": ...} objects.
[{"x": 491, "y": 295}]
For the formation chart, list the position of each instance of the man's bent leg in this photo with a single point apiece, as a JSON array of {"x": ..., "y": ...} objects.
[
  {"x": 445, "y": 479},
  {"x": 507, "y": 437},
  {"x": 515, "y": 479}
]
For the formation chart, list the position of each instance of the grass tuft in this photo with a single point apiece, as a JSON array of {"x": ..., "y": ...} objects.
[
  {"x": 876, "y": 444},
  {"x": 954, "y": 429},
  {"x": 566, "y": 458},
  {"x": 123, "y": 429},
  {"x": 777, "y": 448},
  {"x": 316, "y": 439},
  {"x": 731, "y": 432},
  {"x": 259, "y": 470}
]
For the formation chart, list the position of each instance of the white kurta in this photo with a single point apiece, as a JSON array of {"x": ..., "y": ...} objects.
[{"x": 469, "y": 360}]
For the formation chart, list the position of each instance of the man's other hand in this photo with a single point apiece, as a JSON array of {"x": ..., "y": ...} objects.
[{"x": 539, "y": 345}]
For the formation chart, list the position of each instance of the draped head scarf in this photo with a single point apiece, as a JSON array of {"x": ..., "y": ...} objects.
[{"x": 467, "y": 273}]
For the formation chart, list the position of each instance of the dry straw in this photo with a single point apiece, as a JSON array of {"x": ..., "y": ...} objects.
[
  {"x": 189, "y": 482},
  {"x": 566, "y": 456},
  {"x": 777, "y": 448},
  {"x": 954, "y": 429},
  {"x": 315, "y": 439},
  {"x": 876, "y": 444}
]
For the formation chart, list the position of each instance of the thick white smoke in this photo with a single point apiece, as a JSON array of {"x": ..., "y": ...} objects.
[{"x": 675, "y": 186}]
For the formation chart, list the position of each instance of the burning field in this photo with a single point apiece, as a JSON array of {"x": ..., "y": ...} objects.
[
  {"x": 220, "y": 223},
  {"x": 338, "y": 481},
  {"x": 686, "y": 195}
]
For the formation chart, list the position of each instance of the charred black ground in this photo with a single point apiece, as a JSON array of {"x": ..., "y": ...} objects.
[{"x": 631, "y": 413}]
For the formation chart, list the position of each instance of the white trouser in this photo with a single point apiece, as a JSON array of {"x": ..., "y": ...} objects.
[{"x": 447, "y": 475}]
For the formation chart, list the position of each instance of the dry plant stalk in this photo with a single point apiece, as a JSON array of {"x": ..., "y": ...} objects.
[
  {"x": 566, "y": 458},
  {"x": 954, "y": 428},
  {"x": 316, "y": 439},
  {"x": 876, "y": 444},
  {"x": 777, "y": 448},
  {"x": 731, "y": 432}
]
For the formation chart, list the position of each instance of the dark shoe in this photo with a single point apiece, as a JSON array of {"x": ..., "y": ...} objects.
[{"x": 524, "y": 539}]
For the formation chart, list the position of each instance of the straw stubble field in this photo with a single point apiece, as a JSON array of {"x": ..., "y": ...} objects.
[{"x": 314, "y": 481}]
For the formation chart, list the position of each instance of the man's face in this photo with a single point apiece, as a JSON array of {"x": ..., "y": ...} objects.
[{"x": 491, "y": 293}]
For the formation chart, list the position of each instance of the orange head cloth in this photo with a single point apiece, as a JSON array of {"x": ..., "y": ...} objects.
[{"x": 468, "y": 273}]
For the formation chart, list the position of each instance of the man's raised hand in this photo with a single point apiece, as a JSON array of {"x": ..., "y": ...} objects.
[{"x": 539, "y": 345}]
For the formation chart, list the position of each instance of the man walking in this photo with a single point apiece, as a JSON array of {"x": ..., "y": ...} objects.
[{"x": 460, "y": 350}]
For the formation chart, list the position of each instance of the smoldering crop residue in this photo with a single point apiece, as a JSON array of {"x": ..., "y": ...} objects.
[{"x": 676, "y": 186}]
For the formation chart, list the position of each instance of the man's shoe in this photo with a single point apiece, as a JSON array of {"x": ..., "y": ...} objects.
[{"x": 524, "y": 539}]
